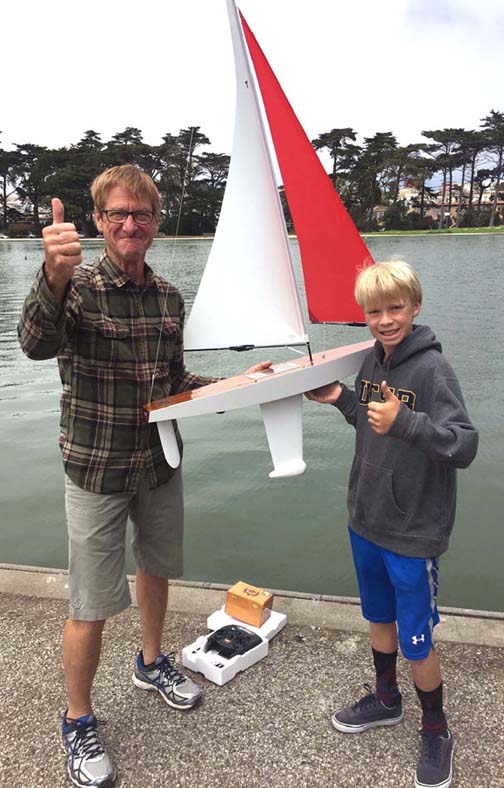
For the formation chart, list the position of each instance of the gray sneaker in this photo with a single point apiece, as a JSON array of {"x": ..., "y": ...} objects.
[
  {"x": 368, "y": 712},
  {"x": 162, "y": 676},
  {"x": 434, "y": 768},
  {"x": 88, "y": 764}
]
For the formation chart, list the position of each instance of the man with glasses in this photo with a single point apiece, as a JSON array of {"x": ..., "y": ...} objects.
[{"x": 116, "y": 328}]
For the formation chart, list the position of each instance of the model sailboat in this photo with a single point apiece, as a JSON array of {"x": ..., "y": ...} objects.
[{"x": 248, "y": 295}]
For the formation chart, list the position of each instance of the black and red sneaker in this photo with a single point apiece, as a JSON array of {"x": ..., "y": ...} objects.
[
  {"x": 368, "y": 712},
  {"x": 435, "y": 767}
]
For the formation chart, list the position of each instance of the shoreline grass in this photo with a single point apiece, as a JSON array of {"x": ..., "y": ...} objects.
[
  {"x": 444, "y": 231},
  {"x": 366, "y": 234}
]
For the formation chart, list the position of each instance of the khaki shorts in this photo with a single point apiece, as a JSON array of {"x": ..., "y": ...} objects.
[{"x": 96, "y": 543}]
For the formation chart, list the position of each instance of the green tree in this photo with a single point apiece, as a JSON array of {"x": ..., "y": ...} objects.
[
  {"x": 128, "y": 147},
  {"x": 475, "y": 146},
  {"x": 372, "y": 176},
  {"x": 189, "y": 140},
  {"x": 182, "y": 197},
  {"x": 468, "y": 146},
  {"x": 483, "y": 179},
  {"x": 445, "y": 145},
  {"x": 9, "y": 160},
  {"x": 493, "y": 128},
  {"x": 214, "y": 169},
  {"x": 420, "y": 170},
  {"x": 402, "y": 165},
  {"x": 397, "y": 216},
  {"x": 35, "y": 166},
  {"x": 335, "y": 141},
  {"x": 75, "y": 169}
]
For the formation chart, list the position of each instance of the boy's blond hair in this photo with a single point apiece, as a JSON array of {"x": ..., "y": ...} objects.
[
  {"x": 385, "y": 280},
  {"x": 129, "y": 177}
]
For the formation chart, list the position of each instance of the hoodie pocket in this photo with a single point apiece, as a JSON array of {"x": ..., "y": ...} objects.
[{"x": 371, "y": 497}]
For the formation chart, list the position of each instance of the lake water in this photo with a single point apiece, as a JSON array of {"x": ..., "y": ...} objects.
[{"x": 284, "y": 534}]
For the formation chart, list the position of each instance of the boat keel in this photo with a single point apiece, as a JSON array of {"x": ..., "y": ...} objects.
[
  {"x": 283, "y": 422},
  {"x": 169, "y": 443}
]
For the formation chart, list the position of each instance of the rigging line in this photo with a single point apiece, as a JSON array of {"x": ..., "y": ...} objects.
[
  {"x": 295, "y": 350},
  {"x": 170, "y": 262},
  {"x": 302, "y": 352}
]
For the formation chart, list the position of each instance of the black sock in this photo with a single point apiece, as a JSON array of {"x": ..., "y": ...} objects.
[
  {"x": 150, "y": 665},
  {"x": 386, "y": 681},
  {"x": 433, "y": 717}
]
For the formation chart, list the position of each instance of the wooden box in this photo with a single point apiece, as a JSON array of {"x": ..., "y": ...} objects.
[{"x": 249, "y": 604}]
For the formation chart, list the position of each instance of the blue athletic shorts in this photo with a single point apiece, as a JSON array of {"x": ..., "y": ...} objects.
[{"x": 395, "y": 588}]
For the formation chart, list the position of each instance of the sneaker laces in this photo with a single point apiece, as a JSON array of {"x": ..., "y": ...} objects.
[
  {"x": 368, "y": 700},
  {"x": 86, "y": 741},
  {"x": 431, "y": 748},
  {"x": 168, "y": 671}
]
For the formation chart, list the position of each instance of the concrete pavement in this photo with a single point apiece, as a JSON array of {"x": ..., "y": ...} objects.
[{"x": 267, "y": 728}]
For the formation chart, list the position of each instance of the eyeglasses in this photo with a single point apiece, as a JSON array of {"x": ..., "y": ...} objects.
[{"x": 115, "y": 216}]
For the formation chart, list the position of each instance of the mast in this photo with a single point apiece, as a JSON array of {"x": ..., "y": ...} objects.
[{"x": 248, "y": 293}]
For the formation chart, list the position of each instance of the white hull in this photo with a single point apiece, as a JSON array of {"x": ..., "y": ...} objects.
[{"x": 279, "y": 393}]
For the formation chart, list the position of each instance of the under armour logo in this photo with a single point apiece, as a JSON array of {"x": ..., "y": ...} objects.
[{"x": 416, "y": 640}]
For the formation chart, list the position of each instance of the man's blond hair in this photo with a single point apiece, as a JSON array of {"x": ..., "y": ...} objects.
[
  {"x": 129, "y": 177},
  {"x": 385, "y": 280}
]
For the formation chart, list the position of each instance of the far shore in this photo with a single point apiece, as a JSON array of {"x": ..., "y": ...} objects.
[{"x": 371, "y": 234}]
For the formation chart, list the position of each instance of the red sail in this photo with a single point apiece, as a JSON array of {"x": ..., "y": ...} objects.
[{"x": 331, "y": 248}]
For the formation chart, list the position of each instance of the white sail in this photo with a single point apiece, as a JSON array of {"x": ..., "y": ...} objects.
[{"x": 248, "y": 292}]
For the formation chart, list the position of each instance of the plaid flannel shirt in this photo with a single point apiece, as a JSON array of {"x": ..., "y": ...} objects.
[{"x": 106, "y": 338}]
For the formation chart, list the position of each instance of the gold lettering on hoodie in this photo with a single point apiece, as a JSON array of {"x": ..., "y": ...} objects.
[{"x": 370, "y": 392}]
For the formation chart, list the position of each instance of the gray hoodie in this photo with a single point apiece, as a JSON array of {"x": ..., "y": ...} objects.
[{"x": 403, "y": 486}]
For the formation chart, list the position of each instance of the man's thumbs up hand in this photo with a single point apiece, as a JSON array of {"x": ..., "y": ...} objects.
[
  {"x": 58, "y": 211},
  {"x": 62, "y": 250},
  {"x": 381, "y": 415}
]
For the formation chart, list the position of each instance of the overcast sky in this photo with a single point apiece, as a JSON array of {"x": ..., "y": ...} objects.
[{"x": 394, "y": 65}]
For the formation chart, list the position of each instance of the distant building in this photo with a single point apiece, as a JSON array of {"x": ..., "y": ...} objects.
[
  {"x": 24, "y": 209},
  {"x": 410, "y": 196}
]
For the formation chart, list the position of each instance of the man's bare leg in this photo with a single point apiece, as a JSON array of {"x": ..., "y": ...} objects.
[
  {"x": 81, "y": 655},
  {"x": 152, "y": 598},
  {"x": 176, "y": 688}
]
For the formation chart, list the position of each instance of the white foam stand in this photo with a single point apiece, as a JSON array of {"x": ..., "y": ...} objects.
[{"x": 217, "y": 668}]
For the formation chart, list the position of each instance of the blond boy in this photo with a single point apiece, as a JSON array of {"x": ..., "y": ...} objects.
[{"x": 412, "y": 433}]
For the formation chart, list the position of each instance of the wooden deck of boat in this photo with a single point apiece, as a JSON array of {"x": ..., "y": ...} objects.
[{"x": 239, "y": 381}]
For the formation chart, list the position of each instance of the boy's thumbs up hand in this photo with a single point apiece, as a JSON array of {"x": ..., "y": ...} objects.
[
  {"x": 62, "y": 250},
  {"x": 387, "y": 393},
  {"x": 381, "y": 415}
]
